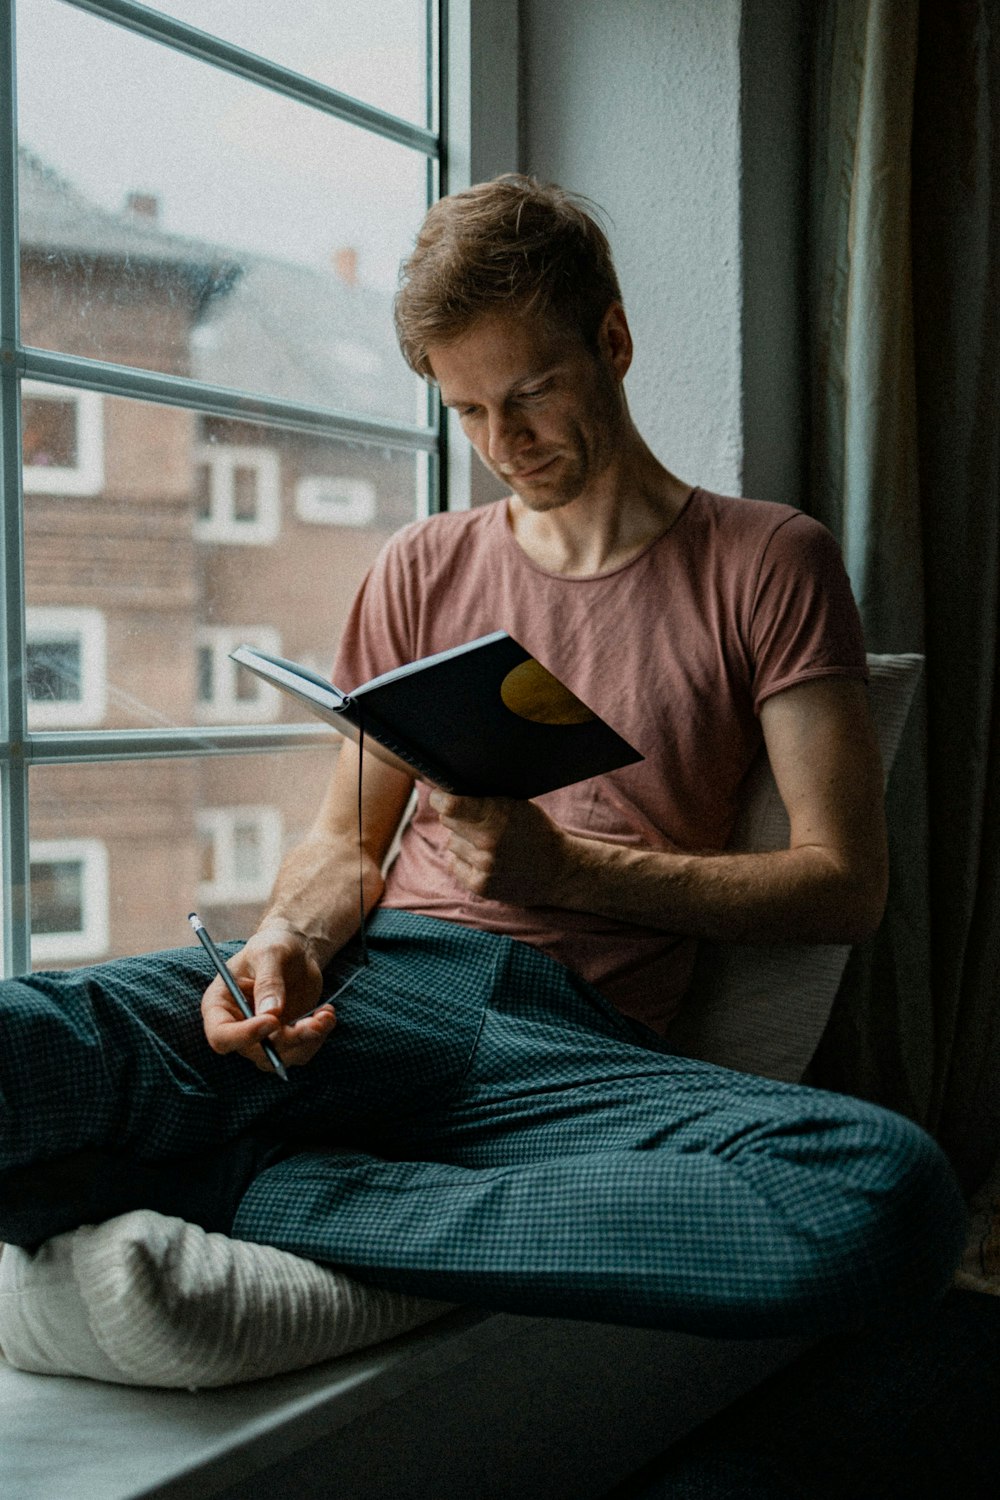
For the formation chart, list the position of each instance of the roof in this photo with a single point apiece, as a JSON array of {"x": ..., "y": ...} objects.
[
  {"x": 57, "y": 219},
  {"x": 262, "y": 324},
  {"x": 305, "y": 334}
]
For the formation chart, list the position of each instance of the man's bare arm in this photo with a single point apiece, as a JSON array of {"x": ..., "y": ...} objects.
[
  {"x": 827, "y": 886},
  {"x": 316, "y": 891},
  {"x": 312, "y": 912}
]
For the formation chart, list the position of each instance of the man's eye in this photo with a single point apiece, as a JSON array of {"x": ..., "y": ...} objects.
[{"x": 535, "y": 395}]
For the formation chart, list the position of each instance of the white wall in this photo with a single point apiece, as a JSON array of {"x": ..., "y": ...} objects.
[{"x": 636, "y": 103}]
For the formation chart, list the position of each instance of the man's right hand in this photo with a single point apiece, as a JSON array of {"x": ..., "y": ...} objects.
[{"x": 281, "y": 977}]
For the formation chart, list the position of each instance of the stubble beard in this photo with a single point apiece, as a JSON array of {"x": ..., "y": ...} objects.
[{"x": 576, "y": 467}]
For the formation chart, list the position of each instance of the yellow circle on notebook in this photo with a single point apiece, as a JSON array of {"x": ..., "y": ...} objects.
[{"x": 533, "y": 693}]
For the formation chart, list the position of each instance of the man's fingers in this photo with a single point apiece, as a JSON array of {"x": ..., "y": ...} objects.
[
  {"x": 279, "y": 982},
  {"x": 226, "y": 1033},
  {"x": 451, "y": 809},
  {"x": 302, "y": 1041},
  {"x": 476, "y": 824},
  {"x": 268, "y": 986},
  {"x": 298, "y": 1044}
]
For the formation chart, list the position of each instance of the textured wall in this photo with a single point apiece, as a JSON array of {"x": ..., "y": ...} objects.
[{"x": 637, "y": 104}]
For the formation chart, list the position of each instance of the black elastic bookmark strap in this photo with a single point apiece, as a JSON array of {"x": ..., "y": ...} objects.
[{"x": 361, "y": 846}]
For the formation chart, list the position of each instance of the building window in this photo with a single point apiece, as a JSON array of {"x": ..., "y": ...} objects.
[
  {"x": 62, "y": 436},
  {"x": 335, "y": 502},
  {"x": 69, "y": 899},
  {"x": 226, "y": 692},
  {"x": 240, "y": 848},
  {"x": 237, "y": 493},
  {"x": 66, "y": 674}
]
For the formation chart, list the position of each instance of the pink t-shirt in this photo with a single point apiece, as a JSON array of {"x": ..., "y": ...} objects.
[{"x": 676, "y": 649}]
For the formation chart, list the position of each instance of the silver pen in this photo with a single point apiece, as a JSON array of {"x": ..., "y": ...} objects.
[{"x": 222, "y": 969}]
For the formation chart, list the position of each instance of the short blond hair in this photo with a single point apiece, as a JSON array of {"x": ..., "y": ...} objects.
[{"x": 509, "y": 245}]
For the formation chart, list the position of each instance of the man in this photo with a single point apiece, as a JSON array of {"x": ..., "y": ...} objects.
[{"x": 491, "y": 1114}]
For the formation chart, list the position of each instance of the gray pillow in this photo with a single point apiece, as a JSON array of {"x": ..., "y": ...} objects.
[{"x": 761, "y": 1007}]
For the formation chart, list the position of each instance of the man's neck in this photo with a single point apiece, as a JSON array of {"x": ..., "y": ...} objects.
[{"x": 628, "y": 507}]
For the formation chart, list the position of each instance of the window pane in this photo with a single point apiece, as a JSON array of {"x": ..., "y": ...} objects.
[
  {"x": 199, "y": 539},
  {"x": 182, "y": 219},
  {"x": 69, "y": 896},
  {"x": 57, "y": 895},
  {"x": 244, "y": 494},
  {"x": 54, "y": 671},
  {"x": 121, "y": 852},
  {"x": 373, "y": 49},
  {"x": 49, "y": 433}
]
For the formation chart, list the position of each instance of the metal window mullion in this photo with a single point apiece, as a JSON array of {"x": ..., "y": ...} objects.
[
  {"x": 15, "y": 859},
  {"x": 219, "y": 401},
  {"x": 237, "y": 60},
  {"x": 80, "y": 746}
]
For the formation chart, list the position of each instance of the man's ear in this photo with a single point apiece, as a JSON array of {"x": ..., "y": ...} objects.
[{"x": 614, "y": 340}]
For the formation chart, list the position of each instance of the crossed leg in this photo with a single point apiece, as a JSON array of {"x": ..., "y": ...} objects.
[
  {"x": 482, "y": 1127},
  {"x": 581, "y": 1170}
]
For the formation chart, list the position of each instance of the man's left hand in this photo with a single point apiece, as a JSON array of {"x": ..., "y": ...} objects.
[{"x": 503, "y": 849}]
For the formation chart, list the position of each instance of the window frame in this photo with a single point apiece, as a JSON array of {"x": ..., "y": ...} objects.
[
  {"x": 225, "y": 705},
  {"x": 357, "y": 507},
  {"x": 59, "y": 621},
  {"x": 86, "y": 476},
  {"x": 92, "y": 938},
  {"x": 220, "y": 824},
  {"x": 222, "y": 523},
  {"x": 472, "y": 133}
]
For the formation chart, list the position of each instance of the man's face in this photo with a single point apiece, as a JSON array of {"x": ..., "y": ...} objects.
[{"x": 542, "y": 411}]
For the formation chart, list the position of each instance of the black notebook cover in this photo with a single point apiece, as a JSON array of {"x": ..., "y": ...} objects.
[{"x": 482, "y": 719}]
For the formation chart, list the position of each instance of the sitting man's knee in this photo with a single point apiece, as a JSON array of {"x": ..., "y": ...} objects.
[{"x": 906, "y": 1223}]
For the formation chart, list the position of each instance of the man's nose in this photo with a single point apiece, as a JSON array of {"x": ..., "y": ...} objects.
[{"x": 507, "y": 433}]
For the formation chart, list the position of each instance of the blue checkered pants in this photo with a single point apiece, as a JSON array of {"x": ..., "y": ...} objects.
[{"x": 481, "y": 1127}]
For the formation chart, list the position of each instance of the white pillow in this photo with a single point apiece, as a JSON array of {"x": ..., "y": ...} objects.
[
  {"x": 761, "y": 1007},
  {"x": 149, "y": 1300}
]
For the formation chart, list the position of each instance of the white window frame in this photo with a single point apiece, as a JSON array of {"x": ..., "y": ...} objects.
[
  {"x": 224, "y": 706},
  {"x": 222, "y": 524},
  {"x": 220, "y": 825},
  {"x": 56, "y": 622},
  {"x": 86, "y": 476},
  {"x": 91, "y": 941},
  {"x": 330, "y": 500}
]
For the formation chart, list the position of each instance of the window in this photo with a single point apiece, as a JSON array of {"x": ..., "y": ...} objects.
[
  {"x": 237, "y": 494},
  {"x": 226, "y": 691},
  {"x": 65, "y": 667},
  {"x": 69, "y": 899},
  {"x": 240, "y": 848},
  {"x": 198, "y": 258},
  {"x": 335, "y": 502},
  {"x": 62, "y": 439}
]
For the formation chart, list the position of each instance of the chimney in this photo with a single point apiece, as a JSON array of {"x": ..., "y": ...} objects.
[
  {"x": 143, "y": 206},
  {"x": 345, "y": 263}
]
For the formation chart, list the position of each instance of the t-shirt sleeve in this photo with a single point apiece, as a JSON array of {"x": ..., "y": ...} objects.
[
  {"x": 377, "y": 634},
  {"x": 804, "y": 621}
]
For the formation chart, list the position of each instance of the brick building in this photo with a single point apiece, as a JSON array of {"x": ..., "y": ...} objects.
[{"x": 157, "y": 537}]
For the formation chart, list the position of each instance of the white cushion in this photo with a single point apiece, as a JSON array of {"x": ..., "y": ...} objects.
[
  {"x": 761, "y": 1008},
  {"x": 149, "y": 1300}
]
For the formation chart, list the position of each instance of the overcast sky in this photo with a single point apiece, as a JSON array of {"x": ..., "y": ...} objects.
[{"x": 231, "y": 163}]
